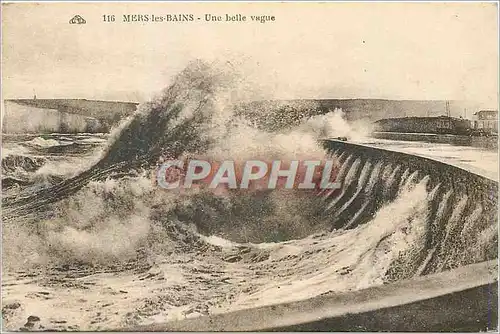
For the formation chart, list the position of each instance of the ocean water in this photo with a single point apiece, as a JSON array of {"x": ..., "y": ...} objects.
[{"x": 90, "y": 243}]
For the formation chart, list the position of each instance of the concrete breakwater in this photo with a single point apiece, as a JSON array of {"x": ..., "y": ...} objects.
[
  {"x": 462, "y": 206},
  {"x": 449, "y": 176}
]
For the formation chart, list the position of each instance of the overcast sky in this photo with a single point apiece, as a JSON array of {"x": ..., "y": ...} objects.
[{"x": 334, "y": 50}]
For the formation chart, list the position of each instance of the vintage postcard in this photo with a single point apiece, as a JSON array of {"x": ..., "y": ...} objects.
[{"x": 250, "y": 166}]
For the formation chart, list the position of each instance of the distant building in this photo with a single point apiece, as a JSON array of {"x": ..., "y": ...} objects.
[
  {"x": 487, "y": 115},
  {"x": 486, "y": 122}
]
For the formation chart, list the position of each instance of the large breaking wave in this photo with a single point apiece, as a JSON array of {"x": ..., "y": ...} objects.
[{"x": 385, "y": 224}]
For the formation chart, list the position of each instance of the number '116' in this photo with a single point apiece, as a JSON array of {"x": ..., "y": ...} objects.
[{"x": 108, "y": 18}]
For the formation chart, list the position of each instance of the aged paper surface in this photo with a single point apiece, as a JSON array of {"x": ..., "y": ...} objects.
[{"x": 249, "y": 166}]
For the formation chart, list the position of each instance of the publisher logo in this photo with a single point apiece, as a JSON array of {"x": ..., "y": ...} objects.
[{"x": 77, "y": 19}]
